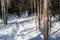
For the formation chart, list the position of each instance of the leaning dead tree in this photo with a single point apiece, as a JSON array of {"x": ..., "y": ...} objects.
[
  {"x": 45, "y": 13},
  {"x": 4, "y": 10}
]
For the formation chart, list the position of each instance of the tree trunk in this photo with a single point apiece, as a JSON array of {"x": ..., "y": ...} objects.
[
  {"x": 49, "y": 32},
  {"x": 35, "y": 13},
  {"x": 38, "y": 14},
  {"x": 4, "y": 10},
  {"x": 45, "y": 19},
  {"x": 0, "y": 10},
  {"x": 41, "y": 9}
]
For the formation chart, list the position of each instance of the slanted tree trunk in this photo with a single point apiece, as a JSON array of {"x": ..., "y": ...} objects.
[
  {"x": 4, "y": 10},
  {"x": 45, "y": 19}
]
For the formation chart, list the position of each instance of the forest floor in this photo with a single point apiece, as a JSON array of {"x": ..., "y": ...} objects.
[{"x": 25, "y": 28}]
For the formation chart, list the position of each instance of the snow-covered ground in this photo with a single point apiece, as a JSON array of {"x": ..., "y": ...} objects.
[{"x": 24, "y": 28}]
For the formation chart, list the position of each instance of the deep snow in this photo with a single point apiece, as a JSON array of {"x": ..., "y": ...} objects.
[{"x": 25, "y": 28}]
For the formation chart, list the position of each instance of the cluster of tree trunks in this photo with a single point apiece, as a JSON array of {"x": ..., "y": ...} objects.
[
  {"x": 37, "y": 9},
  {"x": 42, "y": 8},
  {"x": 39, "y": 5}
]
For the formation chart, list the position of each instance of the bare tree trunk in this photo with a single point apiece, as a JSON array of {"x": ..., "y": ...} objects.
[
  {"x": 38, "y": 14},
  {"x": 0, "y": 10},
  {"x": 35, "y": 13},
  {"x": 49, "y": 25},
  {"x": 45, "y": 19},
  {"x": 31, "y": 5},
  {"x": 41, "y": 9},
  {"x": 4, "y": 10}
]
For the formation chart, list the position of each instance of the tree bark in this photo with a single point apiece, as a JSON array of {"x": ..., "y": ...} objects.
[
  {"x": 41, "y": 9},
  {"x": 35, "y": 13},
  {"x": 45, "y": 19},
  {"x": 4, "y": 10},
  {"x": 38, "y": 14}
]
